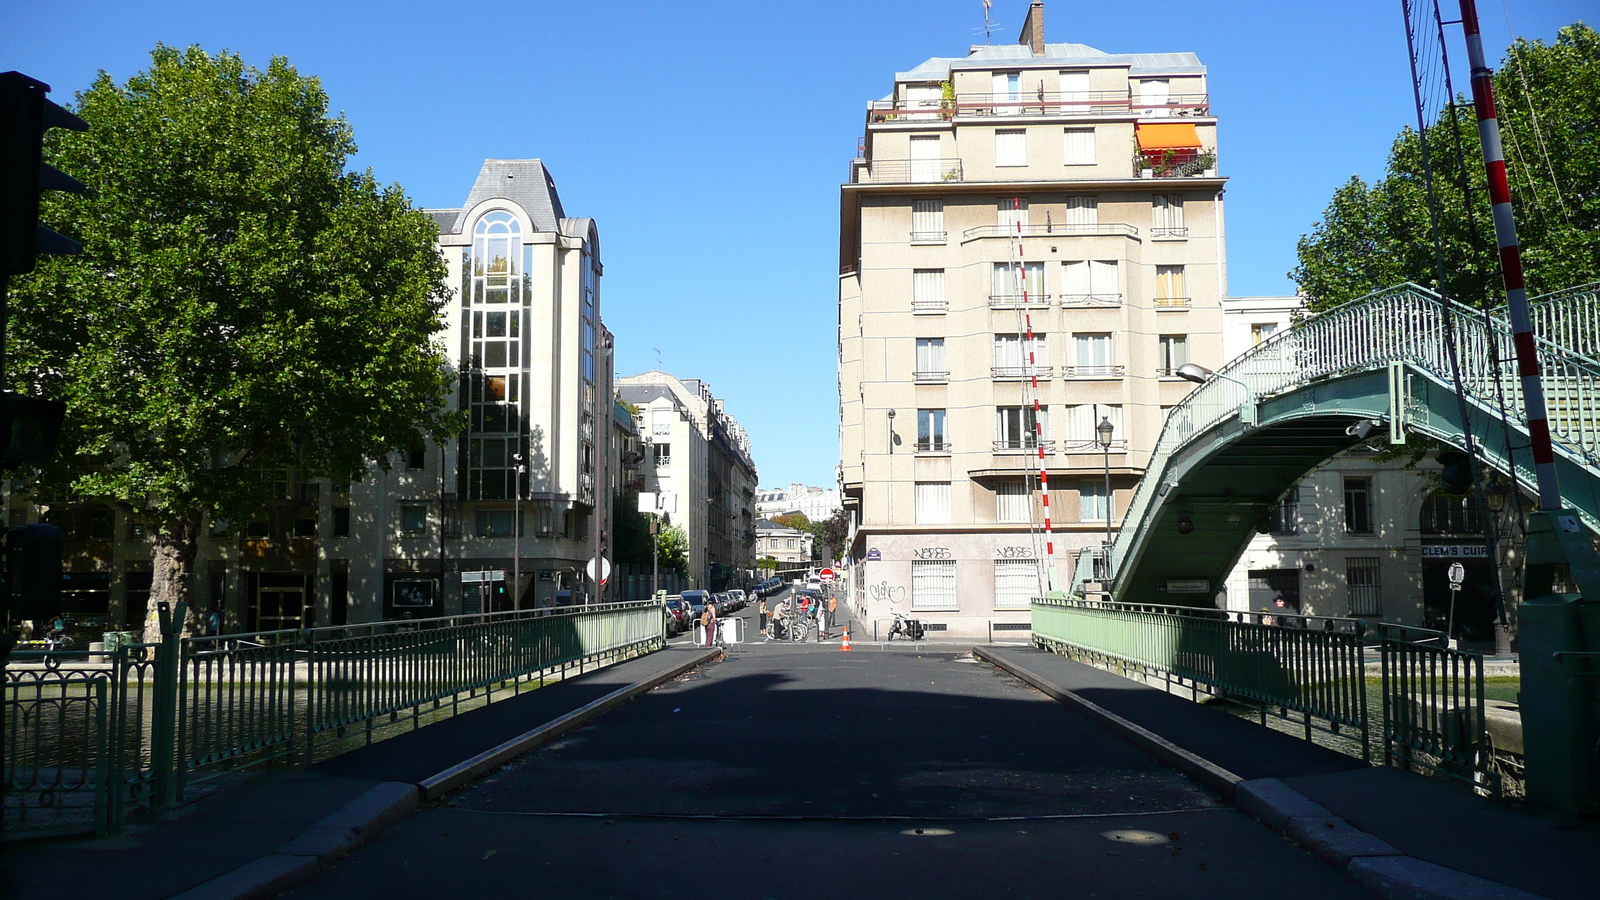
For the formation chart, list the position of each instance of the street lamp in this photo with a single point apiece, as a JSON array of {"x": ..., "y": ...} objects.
[
  {"x": 1200, "y": 375},
  {"x": 1102, "y": 435},
  {"x": 516, "y": 539}
]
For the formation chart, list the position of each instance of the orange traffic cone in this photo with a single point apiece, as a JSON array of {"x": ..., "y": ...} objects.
[{"x": 845, "y": 647}]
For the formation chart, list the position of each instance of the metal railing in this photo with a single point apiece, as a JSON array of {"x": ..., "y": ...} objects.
[
  {"x": 1569, "y": 319},
  {"x": 1093, "y": 371},
  {"x": 1022, "y": 445},
  {"x": 905, "y": 171},
  {"x": 1064, "y": 103},
  {"x": 930, "y": 305},
  {"x": 1171, "y": 303},
  {"x": 1091, "y": 301},
  {"x": 930, "y": 377},
  {"x": 1019, "y": 301},
  {"x": 89, "y": 734},
  {"x": 1433, "y": 707},
  {"x": 933, "y": 447},
  {"x": 1301, "y": 665},
  {"x": 1017, "y": 373},
  {"x": 1056, "y": 229}
]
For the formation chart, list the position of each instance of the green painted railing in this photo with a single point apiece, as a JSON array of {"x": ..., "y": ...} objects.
[
  {"x": 1285, "y": 664},
  {"x": 87, "y": 735},
  {"x": 1433, "y": 707}
]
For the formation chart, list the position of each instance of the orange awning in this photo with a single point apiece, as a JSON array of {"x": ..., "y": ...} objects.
[{"x": 1178, "y": 136}]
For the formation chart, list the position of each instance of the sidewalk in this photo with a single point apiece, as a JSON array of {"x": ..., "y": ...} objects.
[
  {"x": 276, "y": 829},
  {"x": 1398, "y": 828}
]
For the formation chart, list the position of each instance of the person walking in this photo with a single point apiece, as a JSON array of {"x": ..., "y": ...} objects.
[
  {"x": 761, "y": 611},
  {"x": 822, "y": 620},
  {"x": 708, "y": 618}
]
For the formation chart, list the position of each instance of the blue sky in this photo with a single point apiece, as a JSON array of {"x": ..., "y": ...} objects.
[{"x": 709, "y": 139}]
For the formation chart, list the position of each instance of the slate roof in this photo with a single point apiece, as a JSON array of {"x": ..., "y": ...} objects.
[
  {"x": 1055, "y": 55},
  {"x": 525, "y": 182}
]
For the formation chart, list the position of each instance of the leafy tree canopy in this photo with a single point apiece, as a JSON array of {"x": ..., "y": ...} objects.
[
  {"x": 1372, "y": 236},
  {"x": 243, "y": 302}
]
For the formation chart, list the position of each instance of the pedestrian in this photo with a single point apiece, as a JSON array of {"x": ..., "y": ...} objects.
[
  {"x": 780, "y": 620},
  {"x": 708, "y": 618},
  {"x": 822, "y": 620},
  {"x": 761, "y": 611}
]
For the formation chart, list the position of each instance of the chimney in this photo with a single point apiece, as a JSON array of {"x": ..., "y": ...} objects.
[{"x": 1033, "y": 29}]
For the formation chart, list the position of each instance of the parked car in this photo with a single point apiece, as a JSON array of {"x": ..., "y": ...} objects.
[
  {"x": 697, "y": 601},
  {"x": 678, "y": 612},
  {"x": 740, "y": 601}
]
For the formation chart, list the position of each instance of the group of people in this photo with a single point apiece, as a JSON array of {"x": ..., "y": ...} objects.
[{"x": 808, "y": 610}]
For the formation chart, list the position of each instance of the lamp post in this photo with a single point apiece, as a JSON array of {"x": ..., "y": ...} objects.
[
  {"x": 1200, "y": 375},
  {"x": 516, "y": 538},
  {"x": 1102, "y": 435}
]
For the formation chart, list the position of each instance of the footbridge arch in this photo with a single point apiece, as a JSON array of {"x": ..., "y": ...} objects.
[{"x": 1237, "y": 442}]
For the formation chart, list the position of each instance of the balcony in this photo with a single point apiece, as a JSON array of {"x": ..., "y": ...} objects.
[
  {"x": 1020, "y": 373},
  {"x": 881, "y": 111},
  {"x": 1075, "y": 103},
  {"x": 1057, "y": 229},
  {"x": 904, "y": 171},
  {"x": 933, "y": 446},
  {"x": 1092, "y": 371},
  {"x": 1019, "y": 301},
  {"x": 1023, "y": 445},
  {"x": 1184, "y": 163},
  {"x": 1171, "y": 302},
  {"x": 1091, "y": 301},
  {"x": 1177, "y": 232},
  {"x": 930, "y": 306},
  {"x": 930, "y": 377}
]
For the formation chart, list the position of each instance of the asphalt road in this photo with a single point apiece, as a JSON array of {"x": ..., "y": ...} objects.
[{"x": 796, "y": 770}]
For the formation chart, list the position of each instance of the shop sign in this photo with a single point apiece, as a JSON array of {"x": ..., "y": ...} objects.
[{"x": 1455, "y": 551}]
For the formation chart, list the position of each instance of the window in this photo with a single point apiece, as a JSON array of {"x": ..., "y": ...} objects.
[
  {"x": 1260, "y": 331},
  {"x": 925, "y": 159},
  {"x": 1020, "y": 428},
  {"x": 1004, "y": 286},
  {"x": 1012, "y": 211},
  {"x": 1366, "y": 596},
  {"x": 1075, "y": 91},
  {"x": 663, "y": 455},
  {"x": 1015, "y": 356},
  {"x": 930, "y": 431},
  {"x": 1083, "y": 211},
  {"x": 1007, "y": 93},
  {"x": 926, "y": 97},
  {"x": 1173, "y": 351},
  {"x": 1092, "y": 503},
  {"x": 1286, "y": 512},
  {"x": 1012, "y": 502},
  {"x": 1090, "y": 282},
  {"x": 1082, "y": 420},
  {"x": 1358, "y": 505},
  {"x": 1016, "y": 583},
  {"x": 494, "y": 523},
  {"x": 341, "y": 521},
  {"x": 933, "y": 584},
  {"x": 305, "y": 523},
  {"x": 933, "y": 502},
  {"x": 1011, "y": 147},
  {"x": 413, "y": 519},
  {"x": 1170, "y": 287},
  {"x": 1167, "y": 216},
  {"x": 1094, "y": 354},
  {"x": 927, "y": 289},
  {"x": 417, "y": 457},
  {"x": 930, "y": 360},
  {"x": 927, "y": 221},
  {"x": 136, "y": 529},
  {"x": 1444, "y": 513},
  {"x": 1078, "y": 146},
  {"x": 1153, "y": 93}
]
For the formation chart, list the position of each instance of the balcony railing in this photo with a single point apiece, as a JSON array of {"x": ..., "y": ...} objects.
[
  {"x": 879, "y": 111},
  {"x": 1057, "y": 229},
  {"x": 1017, "y": 373},
  {"x": 1091, "y": 301},
  {"x": 930, "y": 377},
  {"x": 928, "y": 237},
  {"x": 1023, "y": 445},
  {"x": 1173, "y": 232},
  {"x": 933, "y": 446},
  {"x": 1092, "y": 371},
  {"x": 1049, "y": 103},
  {"x": 1171, "y": 303},
  {"x": 905, "y": 171},
  {"x": 1019, "y": 301},
  {"x": 1173, "y": 163},
  {"x": 930, "y": 305}
]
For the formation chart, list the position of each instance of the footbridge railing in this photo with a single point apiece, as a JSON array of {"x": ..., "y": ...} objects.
[
  {"x": 1407, "y": 324},
  {"x": 88, "y": 735}
]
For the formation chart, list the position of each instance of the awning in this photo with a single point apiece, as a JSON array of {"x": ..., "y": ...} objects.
[{"x": 1180, "y": 136}]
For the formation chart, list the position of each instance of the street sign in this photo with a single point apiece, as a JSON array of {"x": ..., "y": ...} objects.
[
  {"x": 485, "y": 575},
  {"x": 1184, "y": 586},
  {"x": 1458, "y": 574},
  {"x": 605, "y": 569},
  {"x": 825, "y": 576}
]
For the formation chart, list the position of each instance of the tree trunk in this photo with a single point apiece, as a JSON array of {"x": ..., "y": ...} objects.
[{"x": 172, "y": 578}]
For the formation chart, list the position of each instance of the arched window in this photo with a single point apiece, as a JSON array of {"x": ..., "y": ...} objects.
[
  {"x": 1445, "y": 513},
  {"x": 495, "y": 355}
]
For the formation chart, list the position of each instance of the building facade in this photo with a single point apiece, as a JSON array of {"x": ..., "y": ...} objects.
[
  {"x": 816, "y": 504},
  {"x": 782, "y": 543},
  {"x": 696, "y": 451},
  {"x": 522, "y": 495},
  {"x": 1031, "y": 226}
]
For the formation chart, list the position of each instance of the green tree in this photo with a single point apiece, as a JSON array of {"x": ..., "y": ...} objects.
[
  {"x": 1371, "y": 236},
  {"x": 673, "y": 551},
  {"x": 834, "y": 533},
  {"x": 244, "y": 305},
  {"x": 797, "y": 521}
]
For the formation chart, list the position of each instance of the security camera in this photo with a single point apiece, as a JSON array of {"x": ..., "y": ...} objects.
[{"x": 1361, "y": 429}]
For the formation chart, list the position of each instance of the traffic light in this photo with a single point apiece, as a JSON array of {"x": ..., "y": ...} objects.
[
  {"x": 29, "y": 427},
  {"x": 1457, "y": 474},
  {"x": 33, "y": 571},
  {"x": 25, "y": 114}
]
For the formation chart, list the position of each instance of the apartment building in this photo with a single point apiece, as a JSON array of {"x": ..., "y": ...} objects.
[
  {"x": 697, "y": 451},
  {"x": 517, "y": 503},
  {"x": 816, "y": 504},
  {"x": 1032, "y": 226},
  {"x": 782, "y": 543}
]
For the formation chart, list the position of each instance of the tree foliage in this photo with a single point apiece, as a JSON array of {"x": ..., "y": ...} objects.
[
  {"x": 243, "y": 303},
  {"x": 1372, "y": 236},
  {"x": 797, "y": 521},
  {"x": 834, "y": 533},
  {"x": 673, "y": 550}
]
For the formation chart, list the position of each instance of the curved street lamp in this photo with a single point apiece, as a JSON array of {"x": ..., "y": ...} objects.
[
  {"x": 1200, "y": 375},
  {"x": 1102, "y": 436}
]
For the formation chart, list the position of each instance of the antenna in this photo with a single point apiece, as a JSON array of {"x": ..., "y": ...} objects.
[
  {"x": 658, "y": 357},
  {"x": 988, "y": 26}
]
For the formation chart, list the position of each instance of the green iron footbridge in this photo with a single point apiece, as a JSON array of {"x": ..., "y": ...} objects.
[{"x": 1239, "y": 441}]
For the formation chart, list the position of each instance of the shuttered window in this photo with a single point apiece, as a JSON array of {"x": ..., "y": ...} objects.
[
  {"x": 1090, "y": 280},
  {"x": 1081, "y": 422},
  {"x": 927, "y": 289},
  {"x": 1011, "y": 502},
  {"x": 1016, "y": 583},
  {"x": 1083, "y": 211},
  {"x": 1003, "y": 280},
  {"x": 1167, "y": 215},
  {"x": 1078, "y": 146},
  {"x": 927, "y": 221},
  {"x": 933, "y": 502},
  {"x": 930, "y": 356},
  {"x": 1011, "y": 147},
  {"x": 933, "y": 584},
  {"x": 1013, "y": 211}
]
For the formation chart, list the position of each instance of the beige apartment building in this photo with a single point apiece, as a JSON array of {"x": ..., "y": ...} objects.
[{"x": 1029, "y": 188}]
